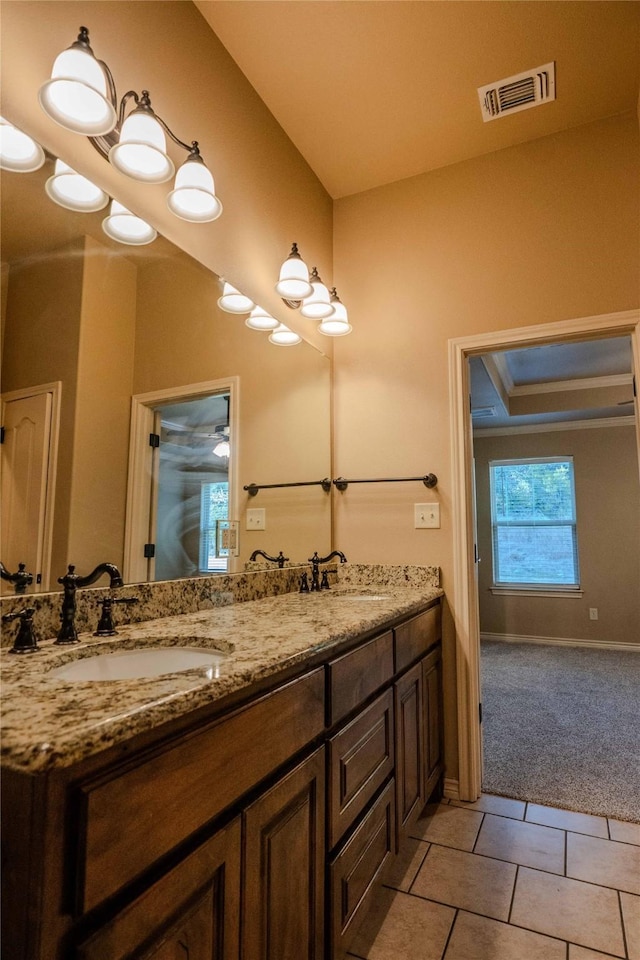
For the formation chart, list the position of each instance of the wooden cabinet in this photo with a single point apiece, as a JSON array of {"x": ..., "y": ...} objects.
[
  {"x": 283, "y": 870},
  {"x": 251, "y": 835},
  {"x": 191, "y": 913}
]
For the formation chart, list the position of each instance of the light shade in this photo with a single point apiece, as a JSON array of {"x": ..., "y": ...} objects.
[
  {"x": 125, "y": 227},
  {"x": 282, "y": 336},
  {"x": 76, "y": 95},
  {"x": 194, "y": 196},
  {"x": 141, "y": 151},
  {"x": 337, "y": 325},
  {"x": 18, "y": 152},
  {"x": 232, "y": 301},
  {"x": 73, "y": 191},
  {"x": 294, "y": 277},
  {"x": 259, "y": 319},
  {"x": 317, "y": 306}
]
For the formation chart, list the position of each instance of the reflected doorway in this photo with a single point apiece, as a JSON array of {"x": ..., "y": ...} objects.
[
  {"x": 192, "y": 487},
  {"x": 181, "y": 491}
]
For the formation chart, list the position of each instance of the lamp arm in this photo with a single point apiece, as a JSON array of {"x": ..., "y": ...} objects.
[
  {"x": 193, "y": 149},
  {"x": 129, "y": 95}
]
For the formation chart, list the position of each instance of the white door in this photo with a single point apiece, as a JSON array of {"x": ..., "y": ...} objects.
[{"x": 24, "y": 466}]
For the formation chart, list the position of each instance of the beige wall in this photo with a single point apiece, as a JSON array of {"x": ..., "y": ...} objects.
[
  {"x": 183, "y": 338},
  {"x": 270, "y": 195},
  {"x": 103, "y": 407},
  {"x": 608, "y": 527},
  {"x": 541, "y": 232},
  {"x": 41, "y": 345}
]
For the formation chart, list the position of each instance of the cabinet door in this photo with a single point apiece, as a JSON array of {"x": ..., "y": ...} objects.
[
  {"x": 432, "y": 691},
  {"x": 283, "y": 885},
  {"x": 191, "y": 913},
  {"x": 409, "y": 747}
]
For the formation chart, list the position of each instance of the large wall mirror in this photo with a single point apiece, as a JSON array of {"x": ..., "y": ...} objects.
[{"x": 89, "y": 324}]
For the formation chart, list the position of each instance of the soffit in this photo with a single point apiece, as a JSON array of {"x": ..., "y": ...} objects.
[{"x": 374, "y": 92}]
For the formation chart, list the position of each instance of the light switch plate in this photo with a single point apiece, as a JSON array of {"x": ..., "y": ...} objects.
[
  {"x": 427, "y": 515},
  {"x": 256, "y": 519}
]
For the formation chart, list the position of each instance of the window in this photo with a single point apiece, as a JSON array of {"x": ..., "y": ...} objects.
[
  {"x": 533, "y": 523},
  {"x": 214, "y": 506}
]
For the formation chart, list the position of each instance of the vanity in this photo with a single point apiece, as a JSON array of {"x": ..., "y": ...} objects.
[{"x": 246, "y": 810}]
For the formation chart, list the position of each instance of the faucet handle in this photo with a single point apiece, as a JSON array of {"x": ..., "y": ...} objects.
[
  {"x": 105, "y": 626},
  {"x": 25, "y": 641}
]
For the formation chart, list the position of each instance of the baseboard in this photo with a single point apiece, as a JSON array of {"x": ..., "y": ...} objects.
[
  {"x": 560, "y": 641},
  {"x": 451, "y": 789}
]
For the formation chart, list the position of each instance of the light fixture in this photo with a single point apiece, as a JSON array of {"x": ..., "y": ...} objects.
[
  {"x": 317, "y": 306},
  {"x": 337, "y": 325},
  {"x": 222, "y": 449},
  {"x": 18, "y": 152},
  {"x": 282, "y": 336},
  {"x": 81, "y": 96},
  {"x": 232, "y": 301},
  {"x": 73, "y": 191},
  {"x": 293, "y": 284},
  {"x": 315, "y": 303},
  {"x": 126, "y": 227},
  {"x": 259, "y": 319}
]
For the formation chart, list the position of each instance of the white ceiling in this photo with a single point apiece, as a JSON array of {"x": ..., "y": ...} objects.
[{"x": 373, "y": 91}]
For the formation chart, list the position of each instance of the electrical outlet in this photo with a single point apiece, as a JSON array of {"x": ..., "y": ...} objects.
[
  {"x": 593, "y": 613},
  {"x": 426, "y": 515},
  {"x": 256, "y": 519}
]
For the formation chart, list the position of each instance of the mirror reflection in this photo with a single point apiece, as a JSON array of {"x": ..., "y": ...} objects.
[{"x": 91, "y": 330}]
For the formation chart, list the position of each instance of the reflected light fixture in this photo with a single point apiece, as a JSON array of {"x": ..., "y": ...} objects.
[
  {"x": 81, "y": 97},
  {"x": 232, "y": 301},
  {"x": 18, "y": 152},
  {"x": 73, "y": 191},
  {"x": 259, "y": 319},
  {"x": 222, "y": 449},
  {"x": 126, "y": 227},
  {"x": 282, "y": 336},
  {"x": 337, "y": 325},
  {"x": 293, "y": 285},
  {"x": 317, "y": 306}
]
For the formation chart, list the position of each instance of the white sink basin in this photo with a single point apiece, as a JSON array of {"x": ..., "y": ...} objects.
[{"x": 140, "y": 664}]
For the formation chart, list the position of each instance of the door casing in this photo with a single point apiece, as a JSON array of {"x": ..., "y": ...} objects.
[{"x": 464, "y": 602}]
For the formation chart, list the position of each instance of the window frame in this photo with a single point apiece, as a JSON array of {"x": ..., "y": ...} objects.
[
  {"x": 528, "y": 588},
  {"x": 209, "y": 532}
]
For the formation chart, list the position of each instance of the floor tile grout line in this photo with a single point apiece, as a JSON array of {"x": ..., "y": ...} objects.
[
  {"x": 605, "y": 953},
  {"x": 566, "y": 852},
  {"x": 513, "y": 893},
  {"x": 446, "y": 946},
  {"x": 624, "y": 932},
  {"x": 480, "y": 825},
  {"x": 549, "y": 826}
]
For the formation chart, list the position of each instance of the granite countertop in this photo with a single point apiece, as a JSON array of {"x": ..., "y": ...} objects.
[{"x": 49, "y": 722}]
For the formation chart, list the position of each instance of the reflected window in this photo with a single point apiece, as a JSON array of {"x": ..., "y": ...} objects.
[{"x": 214, "y": 510}]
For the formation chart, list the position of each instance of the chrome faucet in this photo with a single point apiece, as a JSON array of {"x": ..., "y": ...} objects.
[
  {"x": 315, "y": 562},
  {"x": 70, "y": 582},
  {"x": 280, "y": 559}
]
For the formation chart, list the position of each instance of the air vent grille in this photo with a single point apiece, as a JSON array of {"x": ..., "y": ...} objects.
[
  {"x": 520, "y": 92},
  {"x": 482, "y": 413}
]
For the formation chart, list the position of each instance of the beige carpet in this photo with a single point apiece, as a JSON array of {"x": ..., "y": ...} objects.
[{"x": 561, "y": 726}]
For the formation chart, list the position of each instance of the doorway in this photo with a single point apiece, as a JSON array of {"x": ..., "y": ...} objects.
[
  {"x": 181, "y": 489},
  {"x": 30, "y": 429},
  {"x": 465, "y": 588}
]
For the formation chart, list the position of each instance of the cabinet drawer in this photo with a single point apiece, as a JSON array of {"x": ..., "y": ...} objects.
[
  {"x": 354, "y": 871},
  {"x": 359, "y": 673},
  {"x": 416, "y": 636},
  {"x": 360, "y": 759},
  {"x": 194, "y": 906},
  {"x": 134, "y": 818}
]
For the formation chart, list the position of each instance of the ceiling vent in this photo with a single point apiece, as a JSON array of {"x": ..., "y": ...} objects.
[
  {"x": 482, "y": 413},
  {"x": 520, "y": 92}
]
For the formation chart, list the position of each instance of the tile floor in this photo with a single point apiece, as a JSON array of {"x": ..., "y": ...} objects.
[{"x": 501, "y": 879}]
